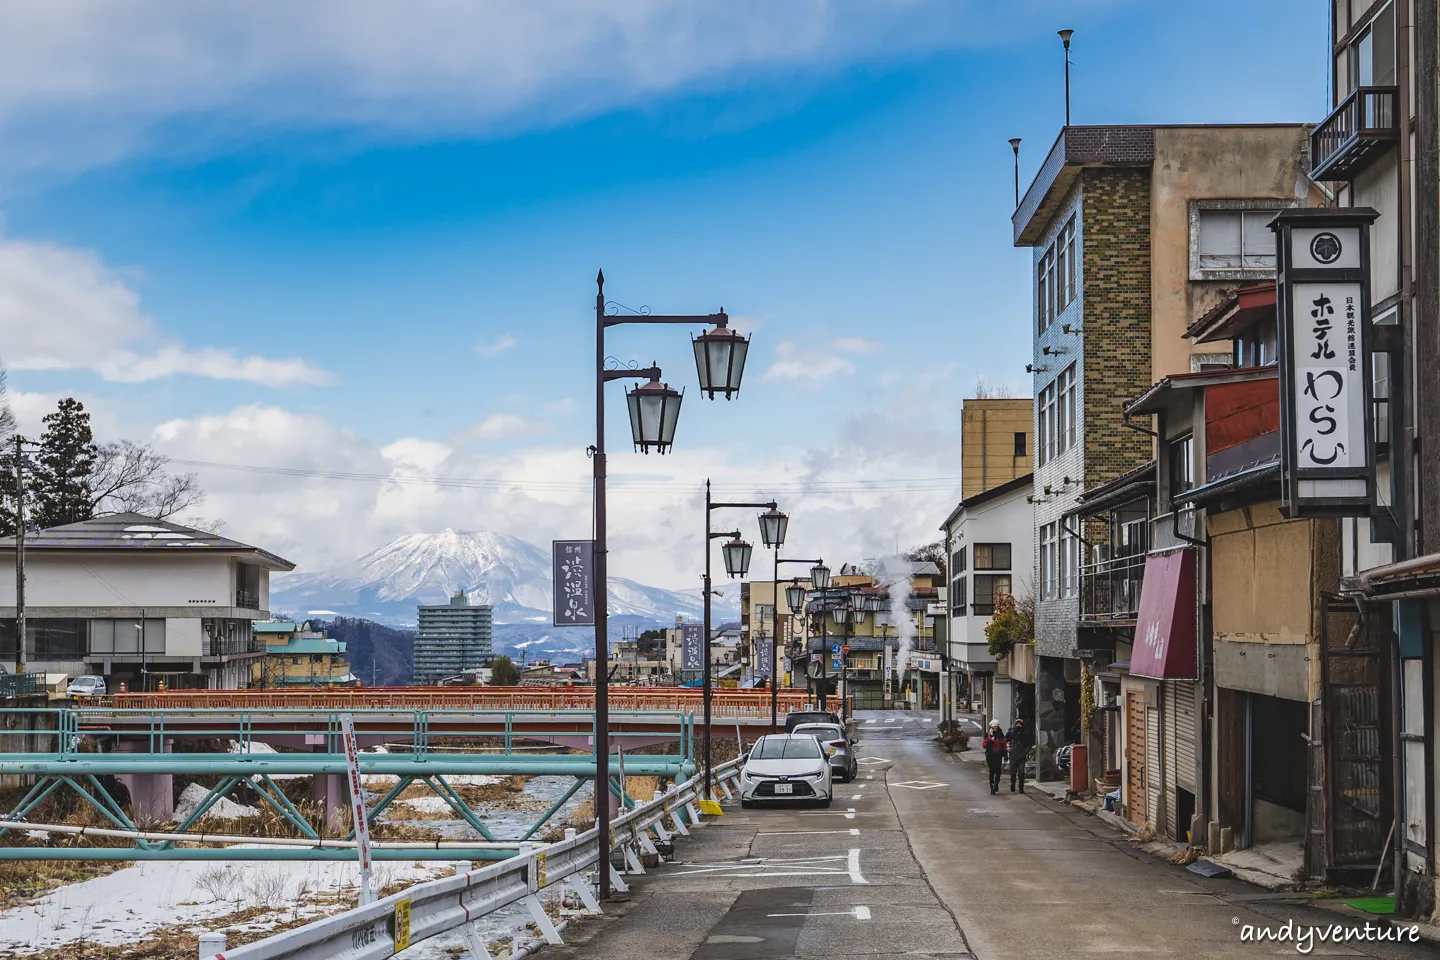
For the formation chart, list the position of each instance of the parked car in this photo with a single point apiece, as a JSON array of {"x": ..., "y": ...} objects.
[
  {"x": 784, "y": 767},
  {"x": 839, "y": 748},
  {"x": 793, "y": 720},
  {"x": 88, "y": 685}
]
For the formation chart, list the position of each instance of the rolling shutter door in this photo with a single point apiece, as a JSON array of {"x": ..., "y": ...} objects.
[
  {"x": 1185, "y": 728},
  {"x": 1170, "y": 753},
  {"x": 1153, "y": 750}
]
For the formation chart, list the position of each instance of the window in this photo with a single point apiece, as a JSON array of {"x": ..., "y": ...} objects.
[
  {"x": 1021, "y": 449},
  {"x": 992, "y": 556},
  {"x": 46, "y": 639},
  {"x": 1065, "y": 266},
  {"x": 1255, "y": 346},
  {"x": 1065, "y": 410},
  {"x": 1182, "y": 465},
  {"x": 1068, "y": 562},
  {"x": 989, "y": 586},
  {"x": 1232, "y": 240},
  {"x": 957, "y": 596},
  {"x": 786, "y": 748},
  {"x": 247, "y": 586},
  {"x": 1047, "y": 562},
  {"x": 1372, "y": 55},
  {"x": 127, "y": 637},
  {"x": 1045, "y": 435},
  {"x": 958, "y": 558},
  {"x": 1045, "y": 289}
]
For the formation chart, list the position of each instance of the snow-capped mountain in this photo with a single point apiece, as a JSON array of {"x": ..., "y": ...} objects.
[{"x": 510, "y": 574}]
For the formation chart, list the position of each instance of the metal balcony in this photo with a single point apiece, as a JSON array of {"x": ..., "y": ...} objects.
[
  {"x": 1110, "y": 589},
  {"x": 1362, "y": 127}
]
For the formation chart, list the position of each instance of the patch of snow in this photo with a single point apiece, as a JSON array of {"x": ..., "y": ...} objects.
[
  {"x": 321, "y": 613},
  {"x": 224, "y": 809},
  {"x": 426, "y": 804},
  {"x": 124, "y": 907},
  {"x": 254, "y": 746}
]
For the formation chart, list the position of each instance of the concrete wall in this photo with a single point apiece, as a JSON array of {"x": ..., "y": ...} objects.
[
  {"x": 62, "y": 579},
  {"x": 987, "y": 443}
]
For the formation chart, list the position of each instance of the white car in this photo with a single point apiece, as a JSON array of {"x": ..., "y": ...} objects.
[
  {"x": 786, "y": 767},
  {"x": 87, "y": 686}
]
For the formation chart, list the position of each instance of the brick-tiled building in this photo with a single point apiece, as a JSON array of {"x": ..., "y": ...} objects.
[{"x": 1135, "y": 231}]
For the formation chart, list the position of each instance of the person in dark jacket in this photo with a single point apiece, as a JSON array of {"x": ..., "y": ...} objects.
[
  {"x": 995, "y": 749},
  {"x": 1021, "y": 740}
]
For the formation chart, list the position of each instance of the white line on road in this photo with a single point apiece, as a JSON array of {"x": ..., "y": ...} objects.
[
  {"x": 853, "y": 831},
  {"x": 859, "y": 913},
  {"x": 849, "y": 813},
  {"x": 853, "y": 862},
  {"x": 855, "y": 797}
]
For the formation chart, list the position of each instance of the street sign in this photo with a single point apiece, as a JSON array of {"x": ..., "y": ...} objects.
[
  {"x": 692, "y": 650},
  {"x": 1326, "y": 409},
  {"x": 837, "y": 663},
  {"x": 764, "y": 668},
  {"x": 401, "y": 922},
  {"x": 357, "y": 807},
  {"x": 574, "y": 578},
  {"x": 836, "y": 649}
]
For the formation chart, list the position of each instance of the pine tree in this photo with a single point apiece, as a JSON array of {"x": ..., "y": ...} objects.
[{"x": 66, "y": 463}]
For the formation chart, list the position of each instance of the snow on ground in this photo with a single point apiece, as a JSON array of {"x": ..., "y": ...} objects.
[
  {"x": 126, "y": 906},
  {"x": 224, "y": 809},
  {"x": 425, "y": 804},
  {"x": 384, "y": 781}
]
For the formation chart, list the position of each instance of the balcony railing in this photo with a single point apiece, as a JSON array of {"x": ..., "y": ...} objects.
[
  {"x": 1360, "y": 128},
  {"x": 1110, "y": 589}
]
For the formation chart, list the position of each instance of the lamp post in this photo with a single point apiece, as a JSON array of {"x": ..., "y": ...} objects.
[
  {"x": 1065, "y": 36},
  {"x": 1015, "y": 145},
  {"x": 795, "y": 600},
  {"x": 654, "y": 410},
  {"x": 737, "y": 564},
  {"x": 773, "y": 527}
]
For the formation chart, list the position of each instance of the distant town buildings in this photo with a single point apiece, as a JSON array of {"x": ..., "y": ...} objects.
[
  {"x": 297, "y": 656},
  {"x": 452, "y": 638}
]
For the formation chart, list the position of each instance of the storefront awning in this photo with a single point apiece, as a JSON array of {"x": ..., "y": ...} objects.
[{"x": 1165, "y": 627}]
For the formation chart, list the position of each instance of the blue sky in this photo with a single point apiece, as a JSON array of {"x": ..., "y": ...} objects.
[{"x": 376, "y": 239}]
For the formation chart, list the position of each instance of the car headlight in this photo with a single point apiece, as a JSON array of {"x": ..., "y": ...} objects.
[{"x": 822, "y": 772}]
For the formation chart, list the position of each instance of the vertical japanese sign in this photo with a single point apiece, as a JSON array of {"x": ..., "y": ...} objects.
[
  {"x": 357, "y": 807},
  {"x": 692, "y": 650},
  {"x": 764, "y": 660},
  {"x": 574, "y": 578},
  {"x": 1323, "y": 301}
]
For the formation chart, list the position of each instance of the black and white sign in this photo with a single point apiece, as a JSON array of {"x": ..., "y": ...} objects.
[
  {"x": 692, "y": 650},
  {"x": 764, "y": 666},
  {"x": 1323, "y": 297},
  {"x": 574, "y": 574}
]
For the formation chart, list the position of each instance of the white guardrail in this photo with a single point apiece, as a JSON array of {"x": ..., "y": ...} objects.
[{"x": 381, "y": 929}]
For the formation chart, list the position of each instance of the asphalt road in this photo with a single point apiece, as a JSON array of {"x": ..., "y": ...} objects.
[{"x": 917, "y": 859}]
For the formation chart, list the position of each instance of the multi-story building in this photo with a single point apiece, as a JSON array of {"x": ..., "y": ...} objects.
[
  {"x": 452, "y": 638},
  {"x": 1135, "y": 231},
  {"x": 296, "y": 655},
  {"x": 140, "y": 602},
  {"x": 995, "y": 447},
  {"x": 989, "y": 538}
]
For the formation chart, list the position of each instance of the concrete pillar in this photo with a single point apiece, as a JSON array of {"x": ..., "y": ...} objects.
[
  {"x": 1050, "y": 732},
  {"x": 330, "y": 795},
  {"x": 152, "y": 795}
]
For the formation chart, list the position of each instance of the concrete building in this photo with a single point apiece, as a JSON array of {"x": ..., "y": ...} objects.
[
  {"x": 452, "y": 638},
  {"x": 139, "y": 601},
  {"x": 995, "y": 442},
  {"x": 989, "y": 538},
  {"x": 1135, "y": 230},
  {"x": 297, "y": 656}
]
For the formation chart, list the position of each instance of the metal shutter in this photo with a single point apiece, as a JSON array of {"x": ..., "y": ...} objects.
[{"x": 1152, "y": 735}]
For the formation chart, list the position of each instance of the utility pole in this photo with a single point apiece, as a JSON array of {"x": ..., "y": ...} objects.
[{"x": 19, "y": 554}]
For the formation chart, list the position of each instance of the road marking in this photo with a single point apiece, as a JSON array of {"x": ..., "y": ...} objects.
[
  {"x": 872, "y": 760},
  {"x": 889, "y": 719},
  {"x": 849, "y": 813},
  {"x": 855, "y": 797},
  {"x": 918, "y": 784},
  {"x": 853, "y": 831},
  {"x": 871, "y": 720},
  {"x": 852, "y": 862},
  {"x": 859, "y": 913},
  {"x": 848, "y": 865}
]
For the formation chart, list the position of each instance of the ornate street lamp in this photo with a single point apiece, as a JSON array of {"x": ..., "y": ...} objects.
[
  {"x": 875, "y": 603},
  {"x": 795, "y": 597},
  {"x": 737, "y": 557},
  {"x": 841, "y": 613},
  {"x": 820, "y": 576},
  {"x": 654, "y": 411},
  {"x": 720, "y": 358},
  {"x": 773, "y": 524}
]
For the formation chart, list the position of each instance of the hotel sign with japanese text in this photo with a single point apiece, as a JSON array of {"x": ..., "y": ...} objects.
[
  {"x": 1323, "y": 304},
  {"x": 574, "y": 580}
]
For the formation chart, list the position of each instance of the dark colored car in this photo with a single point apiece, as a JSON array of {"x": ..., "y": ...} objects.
[{"x": 794, "y": 720}]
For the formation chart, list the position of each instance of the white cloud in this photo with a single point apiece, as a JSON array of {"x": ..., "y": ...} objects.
[
  {"x": 794, "y": 363},
  {"x": 89, "y": 81},
  {"x": 560, "y": 407},
  {"x": 493, "y": 348},
  {"x": 499, "y": 426},
  {"x": 62, "y": 308}
]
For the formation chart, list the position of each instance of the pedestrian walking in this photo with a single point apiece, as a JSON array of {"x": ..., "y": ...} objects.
[
  {"x": 995, "y": 749},
  {"x": 1021, "y": 740}
]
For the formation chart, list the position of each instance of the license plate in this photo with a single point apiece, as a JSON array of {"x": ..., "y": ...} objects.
[{"x": 784, "y": 788}]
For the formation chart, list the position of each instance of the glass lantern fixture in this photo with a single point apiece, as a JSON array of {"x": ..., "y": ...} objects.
[
  {"x": 820, "y": 576},
  {"x": 841, "y": 613},
  {"x": 720, "y": 358},
  {"x": 772, "y": 527},
  {"x": 654, "y": 411},
  {"x": 795, "y": 597},
  {"x": 737, "y": 557}
]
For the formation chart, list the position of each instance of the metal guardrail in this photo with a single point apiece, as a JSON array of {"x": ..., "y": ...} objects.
[
  {"x": 1110, "y": 589},
  {"x": 379, "y": 930},
  {"x": 14, "y": 685}
]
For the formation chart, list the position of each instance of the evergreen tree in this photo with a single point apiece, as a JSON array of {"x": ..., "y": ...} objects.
[
  {"x": 504, "y": 673},
  {"x": 66, "y": 464}
]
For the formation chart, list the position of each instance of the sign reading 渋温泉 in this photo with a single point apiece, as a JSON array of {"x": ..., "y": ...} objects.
[
  {"x": 1326, "y": 408},
  {"x": 574, "y": 576},
  {"x": 692, "y": 650},
  {"x": 764, "y": 660}
]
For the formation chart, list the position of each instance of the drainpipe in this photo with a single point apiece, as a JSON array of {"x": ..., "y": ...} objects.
[{"x": 1246, "y": 834}]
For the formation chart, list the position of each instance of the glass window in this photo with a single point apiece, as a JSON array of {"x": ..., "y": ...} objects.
[
  {"x": 958, "y": 558},
  {"x": 1064, "y": 281},
  {"x": 247, "y": 586},
  {"x": 1182, "y": 465},
  {"x": 1065, "y": 410},
  {"x": 786, "y": 748},
  {"x": 1047, "y": 562},
  {"x": 988, "y": 587},
  {"x": 1045, "y": 438},
  {"x": 1020, "y": 448},
  {"x": 992, "y": 556},
  {"x": 1045, "y": 288},
  {"x": 1235, "y": 240},
  {"x": 1372, "y": 55},
  {"x": 958, "y": 599}
]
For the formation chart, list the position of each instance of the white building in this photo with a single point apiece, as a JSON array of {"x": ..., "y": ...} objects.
[
  {"x": 989, "y": 539},
  {"x": 138, "y": 601}
]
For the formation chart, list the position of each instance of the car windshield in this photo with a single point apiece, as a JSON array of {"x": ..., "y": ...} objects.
[
  {"x": 786, "y": 748},
  {"x": 823, "y": 731}
]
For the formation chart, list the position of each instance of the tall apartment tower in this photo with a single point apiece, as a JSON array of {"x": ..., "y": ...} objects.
[
  {"x": 453, "y": 637},
  {"x": 995, "y": 442}
]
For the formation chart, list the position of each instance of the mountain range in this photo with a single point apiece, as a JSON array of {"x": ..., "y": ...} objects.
[{"x": 510, "y": 574}]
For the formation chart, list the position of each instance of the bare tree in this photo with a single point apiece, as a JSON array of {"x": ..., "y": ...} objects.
[
  {"x": 7, "y": 417},
  {"x": 991, "y": 390},
  {"x": 132, "y": 477}
]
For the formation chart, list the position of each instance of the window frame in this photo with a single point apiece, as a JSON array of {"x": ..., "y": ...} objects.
[
  {"x": 990, "y": 580},
  {"x": 1064, "y": 278},
  {"x": 1046, "y": 424},
  {"x": 1180, "y": 451},
  {"x": 1022, "y": 445},
  {"x": 991, "y": 549},
  {"x": 1065, "y": 427},
  {"x": 1048, "y": 533},
  {"x": 1240, "y": 206}
]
